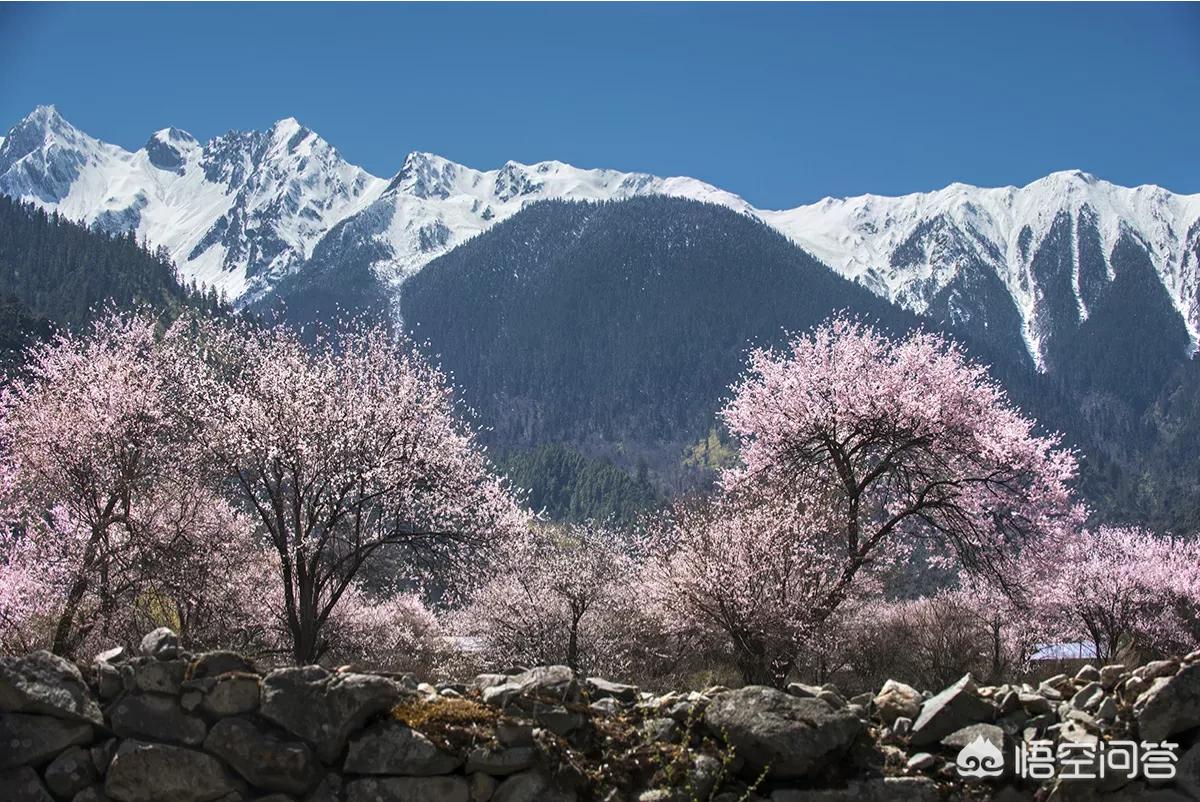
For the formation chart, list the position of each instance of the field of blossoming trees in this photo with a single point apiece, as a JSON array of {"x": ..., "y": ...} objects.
[{"x": 325, "y": 499}]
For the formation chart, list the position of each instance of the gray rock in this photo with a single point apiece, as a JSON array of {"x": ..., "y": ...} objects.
[
  {"x": 45, "y": 683},
  {"x": 102, "y": 754},
  {"x": 989, "y": 732},
  {"x": 70, "y": 772},
  {"x": 155, "y": 717},
  {"x": 158, "y": 676},
  {"x": 1170, "y": 706},
  {"x": 544, "y": 683},
  {"x": 268, "y": 762},
  {"x": 482, "y": 787},
  {"x": 324, "y": 708},
  {"x": 510, "y": 732},
  {"x": 660, "y": 729},
  {"x": 408, "y": 789},
  {"x": 23, "y": 785},
  {"x": 1035, "y": 704},
  {"x": 606, "y": 707},
  {"x": 393, "y": 748},
  {"x": 793, "y": 736},
  {"x": 94, "y": 793},
  {"x": 231, "y": 694},
  {"x": 1088, "y": 673},
  {"x": 804, "y": 691},
  {"x": 603, "y": 689},
  {"x": 557, "y": 718},
  {"x": 30, "y": 740},
  {"x": 950, "y": 710},
  {"x": 531, "y": 786},
  {"x": 921, "y": 761},
  {"x": 161, "y": 643},
  {"x": 1088, "y": 697},
  {"x": 329, "y": 789},
  {"x": 1110, "y": 675},
  {"x": 895, "y": 699},
  {"x": 886, "y": 789},
  {"x": 501, "y": 762},
  {"x": 144, "y": 772},
  {"x": 108, "y": 681},
  {"x": 214, "y": 664}
]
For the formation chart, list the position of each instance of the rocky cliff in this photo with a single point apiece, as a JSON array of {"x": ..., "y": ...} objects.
[{"x": 161, "y": 725}]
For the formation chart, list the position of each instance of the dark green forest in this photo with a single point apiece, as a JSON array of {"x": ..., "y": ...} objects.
[
  {"x": 565, "y": 485},
  {"x": 61, "y": 271}
]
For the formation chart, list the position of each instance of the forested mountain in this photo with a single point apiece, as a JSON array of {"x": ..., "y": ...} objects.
[
  {"x": 62, "y": 271},
  {"x": 618, "y": 322},
  {"x": 617, "y": 327},
  {"x": 564, "y": 485}
]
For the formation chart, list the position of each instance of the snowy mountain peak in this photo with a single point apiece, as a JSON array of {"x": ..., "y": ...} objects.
[
  {"x": 1023, "y": 265},
  {"x": 1048, "y": 245},
  {"x": 171, "y": 149}
]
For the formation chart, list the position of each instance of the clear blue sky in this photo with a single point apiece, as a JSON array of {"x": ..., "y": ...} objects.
[{"x": 781, "y": 104}]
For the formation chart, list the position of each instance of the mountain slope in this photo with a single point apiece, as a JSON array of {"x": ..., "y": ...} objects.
[
  {"x": 1050, "y": 252},
  {"x": 53, "y": 269},
  {"x": 619, "y": 322}
]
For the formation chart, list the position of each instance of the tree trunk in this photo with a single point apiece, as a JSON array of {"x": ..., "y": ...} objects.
[{"x": 62, "y": 645}]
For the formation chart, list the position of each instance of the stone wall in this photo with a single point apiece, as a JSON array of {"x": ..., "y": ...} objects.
[{"x": 165, "y": 726}]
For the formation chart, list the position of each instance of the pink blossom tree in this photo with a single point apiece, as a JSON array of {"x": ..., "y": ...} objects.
[
  {"x": 338, "y": 449},
  {"x": 885, "y": 439},
  {"x": 88, "y": 445},
  {"x": 554, "y": 595},
  {"x": 751, "y": 574},
  {"x": 1125, "y": 587}
]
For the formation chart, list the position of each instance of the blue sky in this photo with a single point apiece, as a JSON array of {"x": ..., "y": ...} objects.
[{"x": 781, "y": 104}]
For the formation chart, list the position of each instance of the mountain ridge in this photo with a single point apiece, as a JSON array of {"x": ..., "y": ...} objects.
[{"x": 253, "y": 212}]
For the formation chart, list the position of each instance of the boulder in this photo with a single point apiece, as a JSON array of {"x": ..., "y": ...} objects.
[
  {"x": 151, "y": 675},
  {"x": 501, "y": 762},
  {"x": 144, "y": 772},
  {"x": 530, "y": 786},
  {"x": 1170, "y": 706},
  {"x": 231, "y": 694},
  {"x": 408, "y": 789},
  {"x": 769, "y": 728},
  {"x": 94, "y": 793},
  {"x": 988, "y": 732},
  {"x": 603, "y": 689},
  {"x": 29, "y": 740},
  {"x": 325, "y": 708},
  {"x": 161, "y": 643},
  {"x": 949, "y": 711},
  {"x": 45, "y": 683},
  {"x": 214, "y": 664},
  {"x": 266, "y": 761},
  {"x": 886, "y": 789},
  {"x": 23, "y": 785},
  {"x": 155, "y": 717},
  {"x": 482, "y": 787},
  {"x": 394, "y": 748},
  {"x": 71, "y": 772},
  {"x": 895, "y": 699},
  {"x": 545, "y": 683}
]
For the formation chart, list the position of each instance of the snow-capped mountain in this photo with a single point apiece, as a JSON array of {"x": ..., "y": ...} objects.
[
  {"x": 235, "y": 213},
  {"x": 246, "y": 209},
  {"x": 1022, "y": 268},
  {"x": 1053, "y": 247}
]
